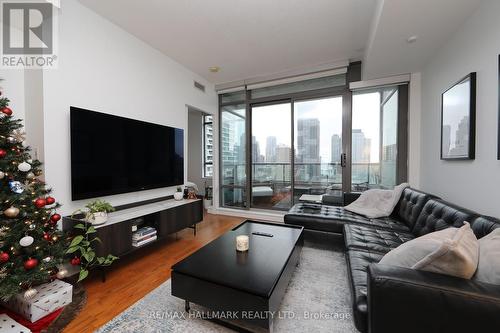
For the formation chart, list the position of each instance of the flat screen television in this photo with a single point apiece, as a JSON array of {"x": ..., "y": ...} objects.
[{"x": 112, "y": 155}]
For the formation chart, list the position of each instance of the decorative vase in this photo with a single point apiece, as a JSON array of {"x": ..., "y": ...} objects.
[
  {"x": 178, "y": 196},
  {"x": 98, "y": 218},
  {"x": 207, "y": 203}
]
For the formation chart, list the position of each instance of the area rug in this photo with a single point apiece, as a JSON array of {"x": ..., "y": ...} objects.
[{"x": 317, "y": 300}]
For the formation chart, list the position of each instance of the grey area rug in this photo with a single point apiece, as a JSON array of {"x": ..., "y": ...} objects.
[{"x": 317, "y": 300}]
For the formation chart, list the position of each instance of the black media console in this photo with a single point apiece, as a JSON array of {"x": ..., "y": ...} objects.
[{"x": 167, "y": 216}]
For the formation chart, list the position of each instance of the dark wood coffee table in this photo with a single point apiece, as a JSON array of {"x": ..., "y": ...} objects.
[{"x": 248, "y": 285}]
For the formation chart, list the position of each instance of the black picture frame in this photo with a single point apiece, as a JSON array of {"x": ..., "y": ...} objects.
[{"x": 464, "y": 149}]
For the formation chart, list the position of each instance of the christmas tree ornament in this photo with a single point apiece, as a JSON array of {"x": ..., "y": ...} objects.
[
  {"x": 3, "y": 153},
  {"x": 50, "y": 201},
  {"x": 55, "y": 218},
  {"x": 26, "y": 241},
  {"x": 63, "y": 272},
  {"x": 46, "y": 236},
  {"x": 19, "y": 136},
  {"x": 7, "y": 111},
  {"x": 2, "y": 175},
  {"x": 30, "y": 264},
  {"x": 40, "y": 203},
  {"x": 11, "y": 212},
  {"x": 16, "y": 187},
  {"x": 30, "y": 293},
  {"x": 11, "y": 139},
  {"x": 4, "y": 257},
  {"x": 24, "y": 167},
  {"x": 30, "y": 175},
  {"x": 47, "y": 259},
  {"x": 75, "y": 261},
  {"x": 32, "y": 226},
  {"x": 55, "y": 238}
]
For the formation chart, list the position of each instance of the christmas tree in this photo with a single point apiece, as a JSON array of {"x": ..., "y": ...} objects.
[{"x": 31, "y": 246}]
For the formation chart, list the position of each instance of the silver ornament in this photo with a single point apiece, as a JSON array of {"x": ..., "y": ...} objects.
[
  {"x": 32, "y": 226},
  {"x": 16, "y": 187},
  {"x": 47, "y": 259},
  {"x": 30, "y": 293},
  {"x": 24, "y": 167},
  {"x": 11, "y": 139},
  {"x": 63, "y": 272},
  {"x": 26, "y": 241},
  {"x": 2, "y": 175},
  {"x": 30, "y": 175}
]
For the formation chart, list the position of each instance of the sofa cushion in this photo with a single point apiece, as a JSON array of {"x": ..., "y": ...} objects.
[
  {"x": 483, "y": 225},
  {"x": 438, "y": 215},
  {"x": 332, "y": 219},
  {"x": 410, "y": 205},
  {"x": 376, "y": 240},
  {"x": 357, "y": 262},
  {"x": 488, "y": 269},
  {"x": 453, "y": 251}
]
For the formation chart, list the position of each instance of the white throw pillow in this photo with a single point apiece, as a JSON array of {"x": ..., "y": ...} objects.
[
  {"x": 452, "y": 251},
  {"x": 488, "y": 269}
]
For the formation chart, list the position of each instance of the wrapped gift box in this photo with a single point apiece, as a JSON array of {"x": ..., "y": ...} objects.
[
  {"x": 9, "y": 325},
  {"x": 50, "y": 297}
]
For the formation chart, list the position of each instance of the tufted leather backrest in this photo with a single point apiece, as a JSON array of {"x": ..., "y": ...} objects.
[
  {"x": 438, "y": 215},
  {"x": 410, "y": 205},
  {"x": 483, "y": 225}
]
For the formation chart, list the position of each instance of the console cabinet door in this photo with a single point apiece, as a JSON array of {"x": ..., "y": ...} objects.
[
  {"x": 177, "y": 218},
  {"x": 116, "y": 239}
]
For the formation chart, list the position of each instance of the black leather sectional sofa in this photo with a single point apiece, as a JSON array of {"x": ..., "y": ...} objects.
[{"x": 390, "y": 299}]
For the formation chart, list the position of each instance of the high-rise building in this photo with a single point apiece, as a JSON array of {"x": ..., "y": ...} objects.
[
  {"x": 336, "y": 148},
  {"x": 308, "y": 140},
  {"x": 361, "y": 147},
  {"x": 462, "y": 138},
  {"x": 256, "y": 156},
  {"x": 271, "y": 149},
  {"x": 283, "y": 154}
]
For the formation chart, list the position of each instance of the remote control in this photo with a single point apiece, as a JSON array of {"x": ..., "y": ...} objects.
[{"x": 257, "y": 233}]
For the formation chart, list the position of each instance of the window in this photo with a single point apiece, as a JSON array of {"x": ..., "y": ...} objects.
[{"x": 208, "y": 146}]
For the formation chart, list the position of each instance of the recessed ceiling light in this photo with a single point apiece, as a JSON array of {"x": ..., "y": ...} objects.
[
  {"x": 214, "y": 69},
  {"x": 412, "y": 39}
]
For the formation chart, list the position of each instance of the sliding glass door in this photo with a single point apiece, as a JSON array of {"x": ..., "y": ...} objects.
[
  {"x": 318, "y": 147},
  {"x": 271, "y": 156}
]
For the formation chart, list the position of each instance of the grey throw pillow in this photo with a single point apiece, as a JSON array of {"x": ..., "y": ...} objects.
[
  {"x": 452, "y": 251},
  {"x": 488, "y": 269}
]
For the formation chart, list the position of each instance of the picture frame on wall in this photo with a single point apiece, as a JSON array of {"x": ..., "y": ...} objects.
[{"x": 458, "y": 120}]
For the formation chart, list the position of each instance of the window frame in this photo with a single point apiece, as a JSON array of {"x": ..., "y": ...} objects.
[{"x": 205, "y": 163}]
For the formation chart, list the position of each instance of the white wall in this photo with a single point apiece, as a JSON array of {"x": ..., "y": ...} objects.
[
  {"x": 103, "y": 68},
  {"x": 475, "y": 47},
  {"x": 12, "y": 87}
]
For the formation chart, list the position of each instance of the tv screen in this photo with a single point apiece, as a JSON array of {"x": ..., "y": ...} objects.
[{"x": 111, "y": 155}]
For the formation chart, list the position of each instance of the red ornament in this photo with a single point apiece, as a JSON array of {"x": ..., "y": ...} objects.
[
  {"x": 54, "y": 218},
  {"x": 30, "y": 264},
  {"x": 50, "y": 200},
  {"x": 75, "y": 261},
  {"x": 7, "y": 111},
  {"x": 4, "y": 257},
  {"x": 40, "y": 203},
  {"x": 46, "y": 236},
  {"x": 3, "y": 153}
]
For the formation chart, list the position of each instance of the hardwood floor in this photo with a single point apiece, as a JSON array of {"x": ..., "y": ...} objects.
[{"x": 130, "y": 279}]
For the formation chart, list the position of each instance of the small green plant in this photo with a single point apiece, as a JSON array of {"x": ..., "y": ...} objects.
[
  {"x": 99, "y": 206},
  {"x": 179, "y": 189},
  {"x": 84, "y": 255}
]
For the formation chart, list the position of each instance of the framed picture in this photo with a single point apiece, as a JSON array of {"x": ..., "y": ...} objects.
[{"x": 458, "y": 120}]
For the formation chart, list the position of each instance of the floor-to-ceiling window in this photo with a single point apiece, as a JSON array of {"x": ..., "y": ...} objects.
[{"x": 279, "y": 142}]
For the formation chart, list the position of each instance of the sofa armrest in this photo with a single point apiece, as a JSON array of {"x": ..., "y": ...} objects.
[
  {"x": 402, "y": 299},
  {"x": 350, "y": 197}
]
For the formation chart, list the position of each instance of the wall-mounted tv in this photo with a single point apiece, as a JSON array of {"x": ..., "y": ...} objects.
[{"x": 112, "y": 155}]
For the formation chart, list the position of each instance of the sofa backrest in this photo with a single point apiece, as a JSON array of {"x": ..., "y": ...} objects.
[
  {"x": 439, "y": 214},
  {"x": 410, "y": 206},
  {"x": 483, "y": 225}
]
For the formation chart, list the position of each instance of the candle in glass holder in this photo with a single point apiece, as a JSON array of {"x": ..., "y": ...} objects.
[{"x": 242, "y": 243}]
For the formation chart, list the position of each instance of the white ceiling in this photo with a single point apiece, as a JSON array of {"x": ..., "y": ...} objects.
[{"x": 262, "y": 37}]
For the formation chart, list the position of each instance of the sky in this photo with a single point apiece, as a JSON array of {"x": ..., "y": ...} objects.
[{"x": 274, "y": 120}]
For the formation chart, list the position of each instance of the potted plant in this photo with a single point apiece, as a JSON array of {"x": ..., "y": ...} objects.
[
  {"x": 179, "y": 195},
  {"x": 97, "y": 211}
]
